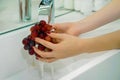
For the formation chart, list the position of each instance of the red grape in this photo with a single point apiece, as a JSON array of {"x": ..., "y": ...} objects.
[
  {"x": 41, "y": 47},
  {"x": 32, "y": 43},
  {"x": 48, "y": 38},
  {"x": 25, "y": 41},
  {"x": 38, "y": 30},
  {"x": 32, "y": 28},
  {"x": 48, "y": 27},
  {"x": 34, "y": 34},
  {"x": 42, "y": 23},
  {"x": 26, "y": 47},
  {"x": 31, "y": 51}
]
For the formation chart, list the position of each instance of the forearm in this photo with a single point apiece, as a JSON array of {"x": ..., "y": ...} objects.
[
  {"x": 107, "y": 14},
  {"x": 104, "y": 42}
]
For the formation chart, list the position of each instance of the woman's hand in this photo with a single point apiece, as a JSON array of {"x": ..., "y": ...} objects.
[
  {"x": 68, "y": 46},
  {"x": 105, "y": 15},
  {"x": 68, "y": 27},
  {"x": 71, "y": 45}
]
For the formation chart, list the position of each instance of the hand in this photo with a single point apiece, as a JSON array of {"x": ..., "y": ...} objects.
[
  {"x": 68, "y": 27},
  {"x": 68, "y": 46}
]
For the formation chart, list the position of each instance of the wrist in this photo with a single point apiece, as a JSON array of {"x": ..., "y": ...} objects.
[
  {"x": 78, "y": 27},
  {"x": 83, "y": 26},
  {"x": 89, "y": 45},
  {"x": 85, "y": 45},
  {"x": 98, "y": 44}
]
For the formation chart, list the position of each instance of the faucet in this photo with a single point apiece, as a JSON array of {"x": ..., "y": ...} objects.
[
  {"x": 46, "y": 10},
  {"x": 25, "y": 10}
]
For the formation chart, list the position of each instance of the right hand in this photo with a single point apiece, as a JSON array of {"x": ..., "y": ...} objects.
[{"x": 68, "y": 46}]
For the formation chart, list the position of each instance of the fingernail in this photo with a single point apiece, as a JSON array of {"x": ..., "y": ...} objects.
[
  {"x": 37, "y": 58},
  {"x": 36, "y": 39},
  {"x": 34, "y": 48}
]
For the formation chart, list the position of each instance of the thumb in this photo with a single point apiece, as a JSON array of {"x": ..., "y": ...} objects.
[
  {"x": 57, "y": 35},
  {"x": 55, "y": 25},
  {"x": 57, "y": 28}
]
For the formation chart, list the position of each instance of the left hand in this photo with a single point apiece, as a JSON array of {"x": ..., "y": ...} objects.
[{"x": 68, "y": 46}]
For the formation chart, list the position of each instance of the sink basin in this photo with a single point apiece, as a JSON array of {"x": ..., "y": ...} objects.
[{"x": 16, "y": 64}]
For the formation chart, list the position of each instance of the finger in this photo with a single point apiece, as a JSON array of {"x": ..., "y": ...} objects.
[
  {"x": 56, "y": 25},
  {"x": 57, "y": 35},
  {"x": 45, "y": 43},
  {"x": 60, "y": 25},
  {"x": 57, "y": 28},
  {"x": 47, "y": 60},
  {"x": 42, "y": 53}
]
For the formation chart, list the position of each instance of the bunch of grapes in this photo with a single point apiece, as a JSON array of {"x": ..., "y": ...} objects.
[{"x": 40, "y": 30}]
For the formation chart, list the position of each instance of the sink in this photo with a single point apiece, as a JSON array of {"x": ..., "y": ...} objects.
[{"x": 16, "y": 64}]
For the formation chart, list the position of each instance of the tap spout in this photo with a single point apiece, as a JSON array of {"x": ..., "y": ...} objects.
[{"x": 46, "y": 8}]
